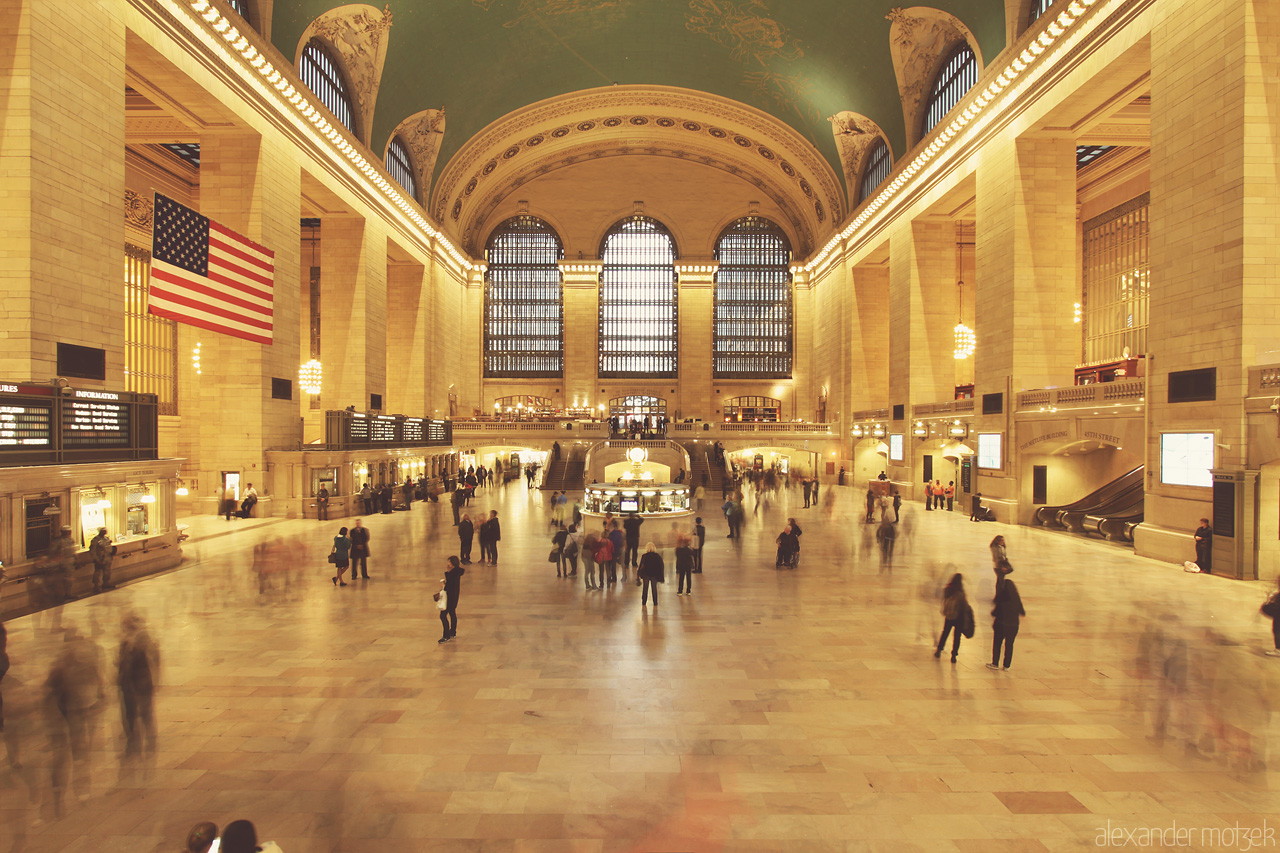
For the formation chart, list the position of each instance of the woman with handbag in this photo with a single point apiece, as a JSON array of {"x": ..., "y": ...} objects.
[
  {"x": 557, "y": 552},
  {"x": 338, "y": 556},
  {"x": 447, "y": 598},
  {"x": 954, "y": 610},
  {"x": 1271, "y": 609}
]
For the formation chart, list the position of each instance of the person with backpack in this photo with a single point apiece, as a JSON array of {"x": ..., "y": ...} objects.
[
  {"x": 1007, "y": 612},
  {"x": 957, "y": 615},
  {"x": 1271, "y": 609}
]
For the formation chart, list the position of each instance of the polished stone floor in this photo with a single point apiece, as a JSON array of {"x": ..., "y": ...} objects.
[{"x": 797, "y": 710}]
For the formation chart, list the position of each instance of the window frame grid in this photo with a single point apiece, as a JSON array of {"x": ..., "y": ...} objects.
[
  {"x": 150, "y": 342},
  {"x": 400, "y": 166},
  {"x": 322, "y": 74},
  {"x": 639, "y": 312},
  {"x": 1116, "y": 302},
  {"x": 954, "y": 80},
  {"x": 753, "y": 313},
  {"x": 1038, "y": 8},
  {"x": 523, "y": 301},
  {"x": 879, "y": 165}
]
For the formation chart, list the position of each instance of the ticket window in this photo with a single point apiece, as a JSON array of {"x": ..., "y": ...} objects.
[
  {"x": 139, "y": 508},
  {"x": 326, "y": 477},
  {"x": 42, "y": 519},
  {"x": 96, "y": 510}
]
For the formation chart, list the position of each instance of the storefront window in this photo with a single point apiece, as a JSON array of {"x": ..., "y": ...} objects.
[
  {"x": 671, "y": 498},
  {"x": 95, "y": 510}
]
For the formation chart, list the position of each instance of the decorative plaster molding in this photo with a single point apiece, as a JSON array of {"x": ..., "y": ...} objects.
[
  {"x": 138, "y": 210},
  {"x": 918, "y": 40},
  {"x": 421, "y": 134},
  {"x": 642, "y": 117},
  {"x": 854, "y": 134},
  {"x": 357, "y": 33}
]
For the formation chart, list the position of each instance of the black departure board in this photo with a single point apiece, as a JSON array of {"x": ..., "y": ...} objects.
[
  {"x": 95, "y": 421},
  {"x": 347, "y": 429},
  {"x": 43, "y": 424}
]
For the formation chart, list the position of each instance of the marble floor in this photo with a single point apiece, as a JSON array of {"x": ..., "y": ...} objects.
[{"x": 797, "y": 710}]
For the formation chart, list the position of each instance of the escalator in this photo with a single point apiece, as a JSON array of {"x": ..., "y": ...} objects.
[
  {"x": 1116, "y": 521},
  {"x": 1121, "y": 498}
]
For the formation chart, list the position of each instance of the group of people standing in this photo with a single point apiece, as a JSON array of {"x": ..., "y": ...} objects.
[
  {"x": 490, "y": 534},
  {"x": 1007, "y": 611},
  {"x": 935, "y": 494}
]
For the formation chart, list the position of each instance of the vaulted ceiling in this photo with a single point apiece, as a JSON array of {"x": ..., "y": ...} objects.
[{"x": 800, "y": 61}]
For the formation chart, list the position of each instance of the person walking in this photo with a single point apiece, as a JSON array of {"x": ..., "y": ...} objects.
[
  {"x": 101, "y": 550},
  {"x": 590, "y": 542},
  {"x": 455, "y": 501},
  {"x": 322, "y": 504},
  {"x": 897, "y": 506},
  {"x": 339, "y": 556},
  {"x": 617, "y": 540},
  {"x": 604, "y": 556},
  {"x": 700, "y": 539},
  {"x": 366, "y": 498},
  {"x": 699, "y": 493},
  {"x": 572, "y": 545},
  {"x": 652, "y": 572},
  {"x": 1270, "y": 608},
  {"x": 871, "y": 504},
  {"x": 632, "y": 554},
  {"x": 955, "y": 610},
  {"x": 482, "y": 533},
  {"x": 495, "y": 536},
  {"x": 887, "y": 536},
  {"x": 1008, "y": 612},
  {"x": 466, "y": 531},
  {"x": 450, "y": 586},
  {"x": 1204, "y": 546},
  {"x": 359, "y": 550},
  {"x": 558, "y": 540},
  {"x": 229, "y": 501},
  {"x": 808, "y": 492},
  {"x": 999, "y": 555},
  {"x": 684, "y": 567},
  {"x": 137, "y": 674}
]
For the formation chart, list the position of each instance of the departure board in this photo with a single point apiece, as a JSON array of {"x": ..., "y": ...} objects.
[
  {"x": 347, "y": 429},
  {"x": 95, "y": 419},
  {"x": 383, "y": 428},
  {"x": 28, "y": 425}
]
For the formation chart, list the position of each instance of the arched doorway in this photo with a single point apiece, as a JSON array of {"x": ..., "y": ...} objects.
[
  {"x": 753, "y": 409},
  {"x": 637, "y": 412}
]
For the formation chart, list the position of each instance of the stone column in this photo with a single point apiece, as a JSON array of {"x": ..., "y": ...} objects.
[
  {"x": 695, "y": 289},
  {"x": 353, "y": 305},
  {"x": 581, "y": 333},
  {"x": 1214, "y": 247},
  {"x": 253, "y": 187},
  {"x": 61, "y": 206},
  {"x": 922, "y": 313},
  {"x": 408, "y": 352},
  {"x": 868, "y": 340}
]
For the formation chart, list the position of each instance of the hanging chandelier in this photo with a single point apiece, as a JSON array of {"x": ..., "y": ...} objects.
[{"x": 310, "y": 376}]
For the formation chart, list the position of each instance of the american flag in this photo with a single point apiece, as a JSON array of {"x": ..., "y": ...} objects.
[{"x": 207, "y": 275}]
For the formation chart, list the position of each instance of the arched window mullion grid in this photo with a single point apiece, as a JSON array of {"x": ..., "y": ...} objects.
[
  {"x": 320, "y": 72},
  {"x": 876, "y": 172},
  {"x": 752, "y": 317},
  {"x": 639, "y": 331},
  {"x": 523, "y": 301},
  {"x": 955, "y": 78},
  {"x": 400, "y": 167}
]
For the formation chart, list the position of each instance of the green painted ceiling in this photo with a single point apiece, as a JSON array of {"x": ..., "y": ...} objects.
[{"x": 799, "y": 60}]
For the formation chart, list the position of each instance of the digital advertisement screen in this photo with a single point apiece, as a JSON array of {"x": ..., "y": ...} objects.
[
  {"x": 989, "y": 450},
  {"x": 895, "y": 447},
  {"x": 629, "y": 505},
  {"x": 1186, "y": 458}
]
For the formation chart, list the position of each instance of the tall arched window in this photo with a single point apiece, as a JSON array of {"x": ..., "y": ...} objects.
[
  {"x": 1038, "y": 8},
  {"x": 752, "y": 314},
  {"x": 879, "y": 165},
  {"x": 319, "y": 70},
  {"x": 523, "y": 301},
  {"x": 638, "y": 313},
  {"x": 956, "y": 77},
  {"x": 400, "y": 167}
]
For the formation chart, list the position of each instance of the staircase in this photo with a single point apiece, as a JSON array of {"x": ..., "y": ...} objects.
[
  {"x": 566, "y": 473},
  {"x": 700, "y": 461}
]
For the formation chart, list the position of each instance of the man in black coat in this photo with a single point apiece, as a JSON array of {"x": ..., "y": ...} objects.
[
  {"x": 456, "y": 502},
  {"x": 466, "y": 530},
  {"x": 632, "y": 527},
  {"x": 495, "y": 535}
]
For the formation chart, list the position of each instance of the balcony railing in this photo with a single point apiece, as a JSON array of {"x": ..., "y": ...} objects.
[{"x": 1082, "y": 396}]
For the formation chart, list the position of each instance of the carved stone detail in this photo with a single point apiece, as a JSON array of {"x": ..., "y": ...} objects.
[
  {"x": 854, "y": 134},
  {"x": 918, "y": 38},
  {"x": 421, "y": 134},
  {"x": 358, "y": 34},
  {"x": 138, "y": 210}
]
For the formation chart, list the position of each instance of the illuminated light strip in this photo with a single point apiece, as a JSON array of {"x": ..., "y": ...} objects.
[
  {"x": 304, "y": 110},
  {"x": 1030, "y": 55}
]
